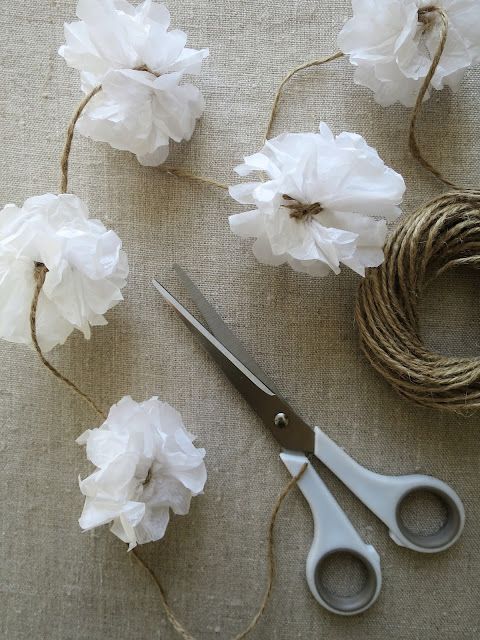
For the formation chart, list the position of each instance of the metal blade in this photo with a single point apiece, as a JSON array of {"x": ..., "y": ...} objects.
[
  {"x": 286, "y": 426},
  {"x": 220, "y": 330}
]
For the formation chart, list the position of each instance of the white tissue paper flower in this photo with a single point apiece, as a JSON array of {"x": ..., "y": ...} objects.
[
  {"x": 139, "y": 64},
  {"x": 318, "y": 205},
  {"x": 85, "y": 262},
  {"x": 146, "y": 465},
  {"x": 393, "y": 49}
]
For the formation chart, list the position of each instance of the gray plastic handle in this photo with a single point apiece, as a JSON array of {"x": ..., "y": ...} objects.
[
  {"x": 333, "y": 533},
  {"x": 384, "y": 496}
]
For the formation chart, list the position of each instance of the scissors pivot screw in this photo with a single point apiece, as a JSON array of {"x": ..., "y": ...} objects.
[{"x": 281, "y": 420}]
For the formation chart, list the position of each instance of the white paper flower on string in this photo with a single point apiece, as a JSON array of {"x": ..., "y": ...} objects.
[
  {"x": 86, "y": 269},
  {"x": 139, "y": 64},
  {"x": 317, "y": 207},
  {"x": 393, "y": 49},
  {"x": 146, "y": 465}
]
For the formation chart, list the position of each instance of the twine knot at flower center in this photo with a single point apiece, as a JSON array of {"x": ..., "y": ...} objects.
[
  {"x": 148, "y": 477},
  {"x": 426, "y": 15},
  {"x": 39, "y": 273},
  {"x": 301, "y": 211},
  {"x": 143, "y": 67}
]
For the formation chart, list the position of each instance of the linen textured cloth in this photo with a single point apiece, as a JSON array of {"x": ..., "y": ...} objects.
[{"x": 60, "y": 584}]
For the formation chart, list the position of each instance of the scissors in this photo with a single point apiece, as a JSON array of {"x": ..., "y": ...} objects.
[{"x": 333, "y": 532}]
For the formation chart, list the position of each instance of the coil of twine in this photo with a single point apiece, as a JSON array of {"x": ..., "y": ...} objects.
[{"x": 441, "y": 235}]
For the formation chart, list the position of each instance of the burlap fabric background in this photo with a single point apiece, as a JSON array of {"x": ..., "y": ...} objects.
[{"x": 60, "y": 584}]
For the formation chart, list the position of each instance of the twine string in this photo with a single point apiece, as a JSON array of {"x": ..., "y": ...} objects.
[
  {"x": 40, "y": 273},
  {"x": 426, "y": 15},
  {"x": 288, "y": 77},
  {"x": 65, "y": 158},
  {"x": 174, "y": 621},
  {"x": 441, "y": 235},
  {"x": 184, "y": 173},
  {"x": 301, "y": 211}
]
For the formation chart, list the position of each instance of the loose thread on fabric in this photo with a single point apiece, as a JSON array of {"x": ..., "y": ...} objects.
[
  {"x": 178, "y": 626},
  {"x": 440, "y": 236},
  {"x": 39, "y": 276}
]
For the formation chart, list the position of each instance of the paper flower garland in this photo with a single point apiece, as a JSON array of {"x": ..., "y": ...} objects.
[
  {"x": 146, "y": 465},
  {"x": 316, "y": 209},
  {"x": 392, "y": 47},
  {"x": 139, "y": 64},
  {"x": 86, "y": 269}
]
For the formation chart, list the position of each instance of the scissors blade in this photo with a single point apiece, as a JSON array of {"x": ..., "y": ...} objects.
[
  {"x": 220, "y": 330},
  {"x": 292, "y": 433}
]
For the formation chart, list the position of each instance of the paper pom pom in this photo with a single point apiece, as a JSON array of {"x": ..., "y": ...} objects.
[
  {"x": 393, "y": 49},
  {"x": 315, "y": 210},
  {"x": 146, "y": 465},
  {"x": 86, "y": 269},
  {"x": 139, "y": 63}
]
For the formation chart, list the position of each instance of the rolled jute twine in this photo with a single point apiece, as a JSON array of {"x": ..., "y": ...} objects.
[
  {"x": 440, "y": 236},
  {"x": 443, "y": 234}
]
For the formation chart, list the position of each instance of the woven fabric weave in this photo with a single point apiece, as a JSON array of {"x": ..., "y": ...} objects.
[{"x": 59, "y": 584}]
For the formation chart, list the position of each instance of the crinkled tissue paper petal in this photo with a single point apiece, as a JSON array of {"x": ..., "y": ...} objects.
[
  {"x": 146, "y": 466},
  {"x": 356, "y": 192},
  {"x": 393, "y": 51},
  {"x": 87, "y": 268},
  {"x": 140, "y": 65}
]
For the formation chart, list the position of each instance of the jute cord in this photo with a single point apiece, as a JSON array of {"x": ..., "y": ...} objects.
[
  {"x": 427, "y": 15},
  {"x": 39, "y": 277},
  {"x": 40, "y": 273},
  {"x": 178, "y": 626},
  {"x": 441, "y": 235},
  {"x": 65, "y": 158},
  {"x": 300, "y": 211},
  {"x": 288, "y": 77}
]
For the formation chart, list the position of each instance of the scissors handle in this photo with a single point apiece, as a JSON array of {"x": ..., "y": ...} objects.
[
  {"x": 333, "y": 534},
  {"x": 384, "y": 496}
]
